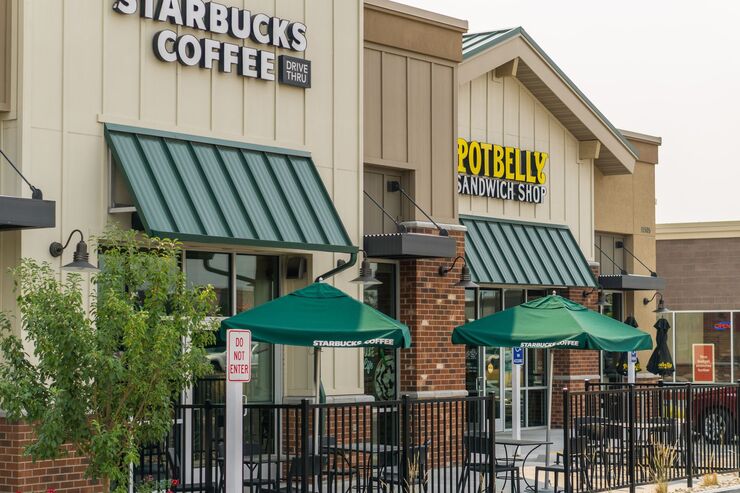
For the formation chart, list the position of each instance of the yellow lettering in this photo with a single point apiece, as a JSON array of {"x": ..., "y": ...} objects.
[
  {"x": 518, "y": 175},
  {"x": 462, "y": 153},
  {"x": 530, "y": 178},
  {"x": 540, "y": 159},
  {"x": 498, "y": 161},
  {"x": 474, "y": 162},
  {"x": 486, "y": 158},
  {"x": 509, "y": 160}
]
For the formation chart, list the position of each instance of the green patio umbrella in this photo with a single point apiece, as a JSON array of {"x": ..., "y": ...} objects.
[
  {"x": 319, "y": 316},
  {"x": 552, "y": 322}
]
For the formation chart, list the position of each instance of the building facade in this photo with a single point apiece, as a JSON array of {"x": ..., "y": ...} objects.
[
  {"x": 275, "y": 139},
  {"x": 701, "y": 265}
]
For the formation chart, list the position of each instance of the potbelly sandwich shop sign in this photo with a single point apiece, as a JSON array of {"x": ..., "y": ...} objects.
[
  {"x": 501, "y": 172},
  {"x": 269, "y": 33}
]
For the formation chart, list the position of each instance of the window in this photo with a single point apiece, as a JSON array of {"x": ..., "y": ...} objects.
[
  {"x": 241, "y": 282},
  {"x": 712, "y": 328},
  {"x": 381, "y": 364}
]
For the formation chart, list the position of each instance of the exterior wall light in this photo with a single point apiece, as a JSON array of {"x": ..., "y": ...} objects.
[
  {"x": 661, "y": 305},
  {"x": 602, "y": 299},
  {"x": 366, "y": 277},
  {"x": 465, "y": 279},
  {"x": 80, "y": 259}
]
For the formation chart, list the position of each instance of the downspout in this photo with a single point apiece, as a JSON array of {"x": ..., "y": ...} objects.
[{"x": 341, "y": 266}]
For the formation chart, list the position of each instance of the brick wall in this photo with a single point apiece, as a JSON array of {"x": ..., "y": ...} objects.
[
  {"x": 21, "y": 473},
  {"x": 700, "y": 274},
  {"x": 571, "y": 367},
  {"x": 432, "y": 307}
]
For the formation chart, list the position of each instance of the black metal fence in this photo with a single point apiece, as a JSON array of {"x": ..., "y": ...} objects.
[
  {"x": 441, "y": 445},
  {"x": 620, "y": 436}
]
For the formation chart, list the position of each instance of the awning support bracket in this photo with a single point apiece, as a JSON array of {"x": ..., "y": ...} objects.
[
  {"x": 394, "y": 186},
  {"x": 620, "y": 244}
]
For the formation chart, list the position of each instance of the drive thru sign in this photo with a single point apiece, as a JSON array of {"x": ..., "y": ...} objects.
[{"x": 239, "y": 356}]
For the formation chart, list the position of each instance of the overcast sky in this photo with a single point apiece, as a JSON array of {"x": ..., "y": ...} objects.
[{"x": 669, "y": 68}]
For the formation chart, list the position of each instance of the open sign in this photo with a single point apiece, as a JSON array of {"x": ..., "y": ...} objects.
[{"x": 239, "y": 356}]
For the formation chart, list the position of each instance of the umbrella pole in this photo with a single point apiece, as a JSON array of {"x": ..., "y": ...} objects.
[
  {"x": 549, "y": 415},
  {"x": 317, "y": 384}
]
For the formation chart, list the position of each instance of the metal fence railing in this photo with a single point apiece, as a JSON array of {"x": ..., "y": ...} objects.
[
  {"x": 430, "y": 446},
  {"x": 620, "y": 436}
]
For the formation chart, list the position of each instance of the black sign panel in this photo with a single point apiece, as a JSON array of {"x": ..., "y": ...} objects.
[{"x": 294, "y": 71}]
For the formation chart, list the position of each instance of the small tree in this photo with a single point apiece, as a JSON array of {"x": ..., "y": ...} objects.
[{"x": 105, "y": 379}]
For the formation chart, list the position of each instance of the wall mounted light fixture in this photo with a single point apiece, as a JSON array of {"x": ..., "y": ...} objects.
[
  {"x": 661, "y": 305},
  {"x": 80, "y": 259},
  {"x": 366, "y": 277},
  {"x": 465, "y": 279}
]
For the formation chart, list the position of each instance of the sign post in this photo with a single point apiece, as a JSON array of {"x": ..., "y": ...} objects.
[
  {"x": 517, "y": 357},
  {"x": 238, "y": 371},
  {"x": 631, "y": 360}
]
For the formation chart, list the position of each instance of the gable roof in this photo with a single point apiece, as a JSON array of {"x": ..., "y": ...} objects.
[{"x": 483, "y": 52}]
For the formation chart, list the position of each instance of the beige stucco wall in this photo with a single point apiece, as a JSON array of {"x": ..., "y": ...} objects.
[
  {"x": 625, "y": 205},
  {"x": 500, "y": 110},
  {"x": 82, "y": 64}
]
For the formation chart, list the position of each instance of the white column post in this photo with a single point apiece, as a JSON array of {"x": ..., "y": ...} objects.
[
  {"x": 234, "y": 434},
  {"x": 516, "y": 427},
  {"x": 631, "y": 358}
]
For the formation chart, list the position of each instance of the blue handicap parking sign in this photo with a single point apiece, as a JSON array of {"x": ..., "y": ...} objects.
[{"x": 518, "y": 355}]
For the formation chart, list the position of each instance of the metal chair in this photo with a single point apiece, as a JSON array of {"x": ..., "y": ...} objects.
[
  {"x": 578, "y": 464},
  {"x": 477, "y": 459}
]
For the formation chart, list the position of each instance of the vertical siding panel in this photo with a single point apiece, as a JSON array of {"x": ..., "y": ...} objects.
[
  {"x": 158, "y": 79},
  {"x": 83, "y": 55},
  {"x": 260, "y": 95},
  {"x": 443, "y": 148},
  {"x": 46, "y": 64},
  {"x": 395, "y": 123},
  {"x": 541, "y": 143},
  {"x": 558, "y": 189},
  {"x": 289, "y": 100},
  {"x": 464, "y": 203},
  {"x": 420, "y": 131},
  {"x": 121, "y": 69},
  {"x": 496, "y": 102},
  {"x": 526, "y": 139},
  {"x": 373, "y": 104},
  {"x": 320, "y": 127},
  {"x": 479, "y": 105},
  {"x": 573, "y": 186},
  {"x": 511, "y": 132}
]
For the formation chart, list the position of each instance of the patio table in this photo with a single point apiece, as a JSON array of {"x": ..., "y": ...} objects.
[{"x": 518, "y": 443}]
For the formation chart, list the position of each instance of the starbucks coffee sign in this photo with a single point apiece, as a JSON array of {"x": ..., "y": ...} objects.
[
  {"x": 271, "y": 33},
  {"x": 501, "y": 172}
]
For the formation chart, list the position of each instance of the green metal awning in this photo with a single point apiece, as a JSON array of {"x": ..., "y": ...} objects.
[
  {"x": 520, "y": 253},
  {"x": 215, "y": 191}
]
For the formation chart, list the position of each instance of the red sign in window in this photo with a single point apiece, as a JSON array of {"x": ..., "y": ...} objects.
[{"x": 703, "y": 362}]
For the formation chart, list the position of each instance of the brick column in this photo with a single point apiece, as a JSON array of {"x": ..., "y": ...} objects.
[
  {"x": 571, "y": 367},
  {"x": 19, "y": 472},
  {"x": 432, "y": 307}
]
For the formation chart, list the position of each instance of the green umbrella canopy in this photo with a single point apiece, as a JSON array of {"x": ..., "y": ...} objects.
[
  {"x": 319, "y": 315},
  {"x": 555, "y": 322}
]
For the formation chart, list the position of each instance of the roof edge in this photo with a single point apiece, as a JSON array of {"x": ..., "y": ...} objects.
[
  {"x": 697, "y": 230},
  {"x": 640, "y": 137},
  {"x": 519, "y": 31},
  {"x": 418, "y": 14}
]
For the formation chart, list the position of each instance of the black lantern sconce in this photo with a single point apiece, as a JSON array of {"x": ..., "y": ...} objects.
[
  {"x": 80, "y": 259},
  {"x": 366, "y": 277},
  {"x": 661, "y": 305},
  {"x": 465, "y": 279},
  {"x": 602, "y": 299}
]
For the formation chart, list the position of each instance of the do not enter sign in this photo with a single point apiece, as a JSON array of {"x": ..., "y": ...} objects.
[{"x": 239, "y": 356}]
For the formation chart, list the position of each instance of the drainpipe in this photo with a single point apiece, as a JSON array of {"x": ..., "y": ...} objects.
[{"x": 342, "y": 266}]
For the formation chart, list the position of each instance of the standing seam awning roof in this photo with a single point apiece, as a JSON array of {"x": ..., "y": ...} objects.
[
  {"x": 215, "y": 191},
  {"x": 519, "y": 253}
]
